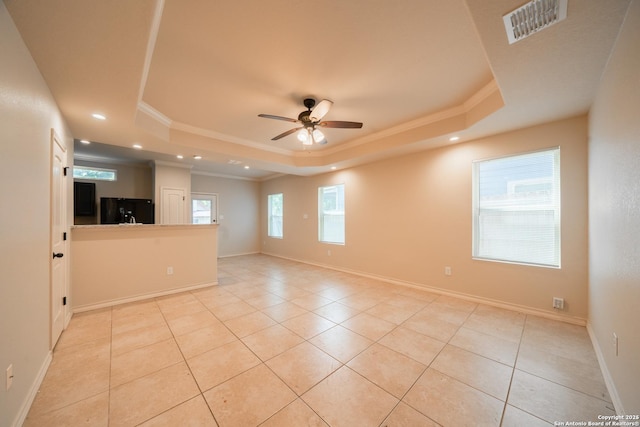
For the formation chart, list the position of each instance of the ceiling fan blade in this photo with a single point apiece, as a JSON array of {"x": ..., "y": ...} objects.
[
  {"x": 286, "y": 119},
  {"x": 320, "y": 110},
  {"x": 340, "y": 124},
  {"x": 289, "y": 132}
]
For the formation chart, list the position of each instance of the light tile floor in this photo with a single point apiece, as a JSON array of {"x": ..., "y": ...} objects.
[{"x": 279, "y": 343}]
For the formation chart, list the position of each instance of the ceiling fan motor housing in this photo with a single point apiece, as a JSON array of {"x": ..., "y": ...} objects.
[
  {"x": 309, "y": 119},
  {"x": 304, "y": 118},
  {"x": 309, "y": 103}
]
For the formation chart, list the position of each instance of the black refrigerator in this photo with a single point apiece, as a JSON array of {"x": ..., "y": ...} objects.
[{"x": 115, "y": 210}]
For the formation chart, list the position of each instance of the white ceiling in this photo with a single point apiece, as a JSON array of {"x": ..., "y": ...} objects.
[{"x": 190, "y": 77}]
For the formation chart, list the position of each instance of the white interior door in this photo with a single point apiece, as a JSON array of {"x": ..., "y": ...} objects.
[
  {"x": 58, "y": 258},
  {"x": 204, "y": 208},
  {"x": 172, "y": 202}
]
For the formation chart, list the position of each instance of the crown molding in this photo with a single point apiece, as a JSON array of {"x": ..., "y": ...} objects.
[
  {"x": 488, "y": 90},
  {"x": 170, "y": 164},
  {"x": 155, "y": 114},
  {"x": 151, "y": 44},
  {"x": 228, "y": 138},
  {"x": 221, "y": 175}
]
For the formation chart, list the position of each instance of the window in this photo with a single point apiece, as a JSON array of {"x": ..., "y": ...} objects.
[
  {"x": 98, "y": 174},
  {"x": 204, "y": 208},
  {"x": 516, "y": 208},
  {"x": 331, "y": 214},
  {"x": 275, "y": 207}
]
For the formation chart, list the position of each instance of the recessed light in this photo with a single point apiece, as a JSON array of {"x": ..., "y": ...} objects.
[
  {"x": 197, "y": 157},
  {"x": 180, "y": 156},
  {"x": 454, "y": 138},
  {"x": 99, "y": 116},
  {"x": 334, "y": 168},
  {"x": 137, "y": 146},
  {"x": 85, "y": 141},
  {"x": 246, "y": 166}
]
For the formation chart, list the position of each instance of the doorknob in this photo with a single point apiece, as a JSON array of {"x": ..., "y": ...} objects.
[{"x": 58, "y": 255}]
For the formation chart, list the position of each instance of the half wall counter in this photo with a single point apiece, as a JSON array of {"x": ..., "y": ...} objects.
[{"x": 114, "y": 264}]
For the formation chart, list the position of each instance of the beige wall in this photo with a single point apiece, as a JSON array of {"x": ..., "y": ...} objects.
[
  {"x": 119, "y": 263},
  {"x": 614, "y": 216},
  {"x": 238, "y": 212},
  {"x": 409, "y": 217},
  {"x": 27, "y": 114},
  {"x": 134, "y": 181}
]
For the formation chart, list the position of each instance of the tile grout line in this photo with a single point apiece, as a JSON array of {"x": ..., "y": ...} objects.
[
  {"x": 184, "y": 359},
  {"x": 429, "y": 365},
  {"x": 259, "y": 276},
  {"x": 515, "y": 362},
  {"x": 513, "y": 370},
  {"x": 264, "y": 363}
]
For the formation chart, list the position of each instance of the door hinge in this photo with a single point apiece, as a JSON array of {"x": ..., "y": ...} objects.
[
  {"x": 64, "y": 170},
  {"x": 64, "y": 236},
  {"x": 64, "y": 300},
  {"x": 184, "y": 198}
]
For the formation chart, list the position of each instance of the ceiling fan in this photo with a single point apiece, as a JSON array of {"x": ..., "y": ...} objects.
[{"x": 308, "y": 134}]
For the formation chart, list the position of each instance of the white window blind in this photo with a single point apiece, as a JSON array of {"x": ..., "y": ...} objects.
[
  {"x": 275, "y": 207},
  {"x": 516, "y": 208},
  {"x": 331, "y": 214}
]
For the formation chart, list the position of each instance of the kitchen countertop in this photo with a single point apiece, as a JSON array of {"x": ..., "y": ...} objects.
[{"x": 135, "y": 226}]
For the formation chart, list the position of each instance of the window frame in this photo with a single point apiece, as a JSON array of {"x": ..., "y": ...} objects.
[
  {"x": 555, "y": 205},
  {"x": 93, "y": 178},
  {"x": 322, "y": 238},
  {"x": 270, "y": 216}
]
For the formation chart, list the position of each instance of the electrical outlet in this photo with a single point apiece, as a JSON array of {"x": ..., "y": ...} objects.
[
  {"x": 558, "y": 303},
  {"x": 9, "y": 376},
  {"x": 169, "y": 271},
  {"x": 615, "y": 343},
  {"x": 329, "y": 252},
  {"x": 447, "y": 271}
]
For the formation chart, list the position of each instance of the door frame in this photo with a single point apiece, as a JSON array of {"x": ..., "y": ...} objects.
[
  {"x": 195, "y": 194},
  {"x": 54, "y": 335}
]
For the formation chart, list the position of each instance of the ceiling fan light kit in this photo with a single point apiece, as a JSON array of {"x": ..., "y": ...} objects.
[
  {"x": 318, "y": 136},
  {"x": 309, "y": 136},
  {"x": 309, "y": 119}
]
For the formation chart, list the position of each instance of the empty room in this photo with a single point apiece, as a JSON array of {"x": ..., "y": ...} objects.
[{"x": 278, "y": 213}]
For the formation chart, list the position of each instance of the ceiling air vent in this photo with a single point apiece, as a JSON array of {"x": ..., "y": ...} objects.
[{"x": 533, "y": 17}]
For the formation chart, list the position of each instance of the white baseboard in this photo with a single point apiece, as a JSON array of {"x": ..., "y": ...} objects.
[
  {"x": 473, "y": 298},
  {"x": 111, "y": 303},
  {"x": 33, "y": 391},
  {"x": 608, "y": 380},
  {"x": 240, "y": 254},
  {"x": 67, "y": 318}
]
